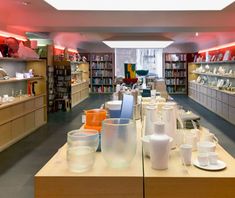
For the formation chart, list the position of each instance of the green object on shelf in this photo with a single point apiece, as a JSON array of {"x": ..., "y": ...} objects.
[
  {"x": 146, "y": 93},
  {"x": 142, "y": 72}
]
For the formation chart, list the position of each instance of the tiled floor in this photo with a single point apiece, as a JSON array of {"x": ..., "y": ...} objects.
[{"x": 20, "y": 162}]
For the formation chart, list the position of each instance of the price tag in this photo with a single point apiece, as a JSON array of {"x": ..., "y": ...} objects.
[{"x": 83, "y": 119}]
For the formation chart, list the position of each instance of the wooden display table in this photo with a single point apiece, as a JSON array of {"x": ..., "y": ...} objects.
[
  {"x": 54, "y": 180},
  {"x": 189, "y": 182}
]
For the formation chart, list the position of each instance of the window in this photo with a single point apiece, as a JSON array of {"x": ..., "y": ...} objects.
[{"x": 148, "y": 59}]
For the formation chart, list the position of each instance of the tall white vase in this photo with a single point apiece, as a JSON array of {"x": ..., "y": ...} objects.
[
  {"x": 159, "y": 147},
  {"x": 169, "y": 118},
  {"x": 151, "y": 116}
]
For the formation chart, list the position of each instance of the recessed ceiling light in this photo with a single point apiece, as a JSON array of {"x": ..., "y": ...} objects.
[
  {"x": 196, "y": 34},
  {"x": 138, "y": 44},
  {"x": 140, "y": 5}
]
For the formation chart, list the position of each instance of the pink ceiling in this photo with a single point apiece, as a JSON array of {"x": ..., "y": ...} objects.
[{"x": 76, "y": 28}]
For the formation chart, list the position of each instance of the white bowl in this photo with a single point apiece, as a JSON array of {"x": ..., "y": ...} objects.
[{"x": 206, "y": 147}]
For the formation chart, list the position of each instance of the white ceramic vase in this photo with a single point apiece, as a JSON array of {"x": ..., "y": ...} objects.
[
  {"x": 169, "y": 118},
  {"x": 159, "y": 147}
]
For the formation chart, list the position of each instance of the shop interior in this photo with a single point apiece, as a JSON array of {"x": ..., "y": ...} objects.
[{"x": 117, "y": 99}]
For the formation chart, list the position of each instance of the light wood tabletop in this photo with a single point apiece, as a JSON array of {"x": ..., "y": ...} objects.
[
  {"x": 139, "y": 180},
  {"x": 181, "y": 181},
  {"x": 55, "y": 179}
]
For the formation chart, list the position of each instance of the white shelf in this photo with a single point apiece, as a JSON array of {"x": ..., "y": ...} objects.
[
  {"x": 20, "y": 59},
  {"x": 215, "y": 62},
  {"x": 210, "y": 74},
  {"x": 12, "y": 80}
]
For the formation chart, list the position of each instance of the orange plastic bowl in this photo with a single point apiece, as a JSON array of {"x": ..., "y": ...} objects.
[{"x": 94, "y": 118}]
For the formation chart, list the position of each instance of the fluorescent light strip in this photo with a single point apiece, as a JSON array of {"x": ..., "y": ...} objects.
[
  {"x": 140, "y": 5},
  {"x": 62, "y": 48},
  {"x": 72, "y": 50},
  {"x": 217, "y": 47},
  {"x": 7, "y": 34},
  {"x": 138, "y": 44},
  {"x": 59, "y": 47}
]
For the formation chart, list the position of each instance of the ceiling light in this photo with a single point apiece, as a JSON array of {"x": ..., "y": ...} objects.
[
  {"x": 7, "y": 34},
  {"x": 196, "y": 34},
  {"x": 140, "y": 5},
  {"x": 138, "y": 44},
  {"x": 72, "y": 50},
  {"x": 217, "y": 47},
  {"x": 59, "y": 47}
]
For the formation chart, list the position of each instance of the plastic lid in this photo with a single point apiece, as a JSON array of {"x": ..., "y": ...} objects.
[{"x": 159, "y": 127}]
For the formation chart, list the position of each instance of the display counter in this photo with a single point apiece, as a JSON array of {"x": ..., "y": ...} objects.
[
  {"x": 21, "y": 117},
  {"x": 54, "y": 180},
  {"x": 180, "y": 181},
  {"x": 218, "y": 101},
  {"x": 80, "y": 91}
]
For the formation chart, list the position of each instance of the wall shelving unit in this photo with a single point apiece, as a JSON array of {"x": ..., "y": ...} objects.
[
  {"x": 25, "y": 113},
  {"x": 219, "y": 101},
  {"x": 70, "y": 85}
]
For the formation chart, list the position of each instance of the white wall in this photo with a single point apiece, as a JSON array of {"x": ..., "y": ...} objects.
[{"x": 181, "y": 48}]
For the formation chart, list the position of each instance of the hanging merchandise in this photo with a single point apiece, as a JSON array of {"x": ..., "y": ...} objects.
[{"x": 159, "y": 147}]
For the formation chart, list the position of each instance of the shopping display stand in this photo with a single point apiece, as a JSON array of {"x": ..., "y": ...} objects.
[
  {"x": 138, "y": 180},
  {"x": 54, "y": 180}
]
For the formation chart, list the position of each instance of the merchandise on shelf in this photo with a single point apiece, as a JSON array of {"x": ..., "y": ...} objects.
[
  {"x": 102, "y": 72},
  {"x": 23, "y": 106},
  {"x": 176, "y": 72}
]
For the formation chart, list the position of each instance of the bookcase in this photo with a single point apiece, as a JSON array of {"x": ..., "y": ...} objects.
[
  {"x": 102, "y": 72},
  {"x": 71, "y": 80},
  {"x": 176, "y": 72}
]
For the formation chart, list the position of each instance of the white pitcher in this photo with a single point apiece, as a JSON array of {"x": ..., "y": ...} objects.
[
  {"x": 151, "y": 116},
  {"x": 169, "y": 118},
  {"x": 176, "y": 111},
  {"x": 159, "y": 147}
]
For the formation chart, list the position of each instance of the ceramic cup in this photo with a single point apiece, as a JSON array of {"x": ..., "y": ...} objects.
[
  {"x": 213, "y": 158},
  {"x": 186, "y": 153},
  {"x": 203, "y": 159}
]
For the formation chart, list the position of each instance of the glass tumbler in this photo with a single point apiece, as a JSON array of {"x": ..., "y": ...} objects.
[
  {"x": 118, "y": 141},
  {"x": 81, "y": 148}
]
